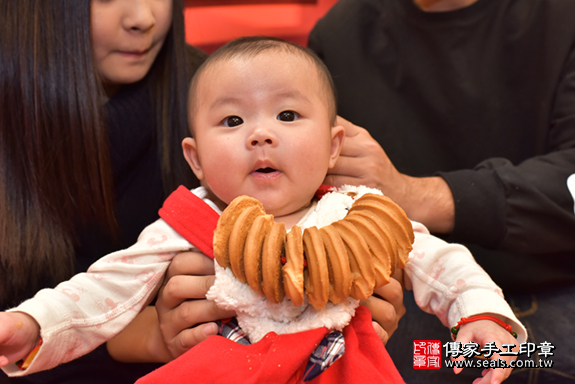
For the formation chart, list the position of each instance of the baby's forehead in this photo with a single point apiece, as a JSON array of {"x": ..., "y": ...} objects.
[
  {"x": 285, "y": 68},
  {"x": 290, "y": 63},
  {"x": 288, "y": 58}
]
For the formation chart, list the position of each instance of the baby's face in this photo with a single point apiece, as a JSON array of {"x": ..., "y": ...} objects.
[{"x": 262, "y": 128}]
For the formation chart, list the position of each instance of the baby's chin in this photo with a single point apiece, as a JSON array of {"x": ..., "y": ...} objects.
[
  {"x": 287, "y": 211},
  {"x": 280, "y": 205}
]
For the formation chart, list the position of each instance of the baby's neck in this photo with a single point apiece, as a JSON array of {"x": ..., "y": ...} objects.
[{"x": 293, "y": 218}]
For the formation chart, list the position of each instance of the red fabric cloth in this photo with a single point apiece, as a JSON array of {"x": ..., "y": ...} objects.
[
  {"x": 323, "y": 189},
  {"x": 192, "y": 218},
  {"x": 282, "y": 359}
]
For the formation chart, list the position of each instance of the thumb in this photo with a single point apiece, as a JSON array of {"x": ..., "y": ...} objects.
[
  {"x": 4, "y": 361},
  {"x": 19, "y": 334},
  {"x": 381, "y": 333}
]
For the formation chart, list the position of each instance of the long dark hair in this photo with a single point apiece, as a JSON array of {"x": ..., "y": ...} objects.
[{"x": 54, "y": 156}]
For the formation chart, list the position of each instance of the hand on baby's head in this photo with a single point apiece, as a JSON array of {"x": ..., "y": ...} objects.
[{"x": 19, "y": 334}]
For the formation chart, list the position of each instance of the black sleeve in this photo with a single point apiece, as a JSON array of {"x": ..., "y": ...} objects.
[
  {"x": 524, "y": 207},
  {"x": 529, "y": 205}
]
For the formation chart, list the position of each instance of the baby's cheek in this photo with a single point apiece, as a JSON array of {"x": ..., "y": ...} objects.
[
  {"x": 221, "y": 188},
  {"x": 314, "y": 170}
]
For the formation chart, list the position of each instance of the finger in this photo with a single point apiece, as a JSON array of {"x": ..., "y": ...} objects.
[
  {"x": 189, "y": 314},
  {"x": 398, "y": 276},
  {"x": 190, "y": 263},
  {"x": 383, "y": 313},
  {"x": 12, "y": 355},
  {"x": 351, "y": 129},
  {"x": 347, "y": 170},
  {"x": 339, "y": 180},
  {"x": 381, "y": 333},
  {"x": 191, "y": 337},
  {"x": 356, "y": 135},
  {"x": 195, "y": 312},
  {"x": 486, "y": 377},
  {"x": 353, "y": 148},
  {"x": 393, "y": 293},
  {"x": 180, "y": 288},
  {"x": 457, "y": 370},
  {"x": 497, "y": 375},
  {"x": 348, "y": 166},
  {"x": 359, "y": 146}
]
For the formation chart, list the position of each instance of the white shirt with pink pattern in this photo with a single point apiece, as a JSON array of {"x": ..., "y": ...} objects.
[{"x": 92, "y": 307}]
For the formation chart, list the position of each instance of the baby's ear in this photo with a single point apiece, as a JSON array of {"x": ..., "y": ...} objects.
[
  {"x": 191, "y": 154},
  {"x": 337, "y": 137}
]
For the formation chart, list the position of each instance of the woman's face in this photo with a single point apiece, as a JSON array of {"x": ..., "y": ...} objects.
[{"x": 127, "y": 36}]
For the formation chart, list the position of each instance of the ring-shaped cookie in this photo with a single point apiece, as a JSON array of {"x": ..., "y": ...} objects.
[
  {"x": 238, "y": 240},
  {"x": 338, "y": 265},
  {"x": 293, "y": 269},
  {"x": 316, "y": 276},
  {"x": 272, "y": 280},
  {"x": 253, "y": 251},
  {"x": 360, "y": 263}
]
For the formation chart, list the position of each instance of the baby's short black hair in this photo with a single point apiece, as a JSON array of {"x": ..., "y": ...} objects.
[{"x": 252, "y": 46}]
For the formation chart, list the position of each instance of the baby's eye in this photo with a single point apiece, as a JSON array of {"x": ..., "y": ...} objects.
[
  {"x": 232, "y": 121},
  {"x": 288, "y": 116}
]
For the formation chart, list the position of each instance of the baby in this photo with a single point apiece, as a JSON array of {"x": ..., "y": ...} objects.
[{"x": 263, "y": 115}]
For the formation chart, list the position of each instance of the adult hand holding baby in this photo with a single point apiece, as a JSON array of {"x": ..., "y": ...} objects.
[
  {"x": 186, "y": 317},
  {"x": 19, "y": 335},
  {"x": 386, "y": 306}
]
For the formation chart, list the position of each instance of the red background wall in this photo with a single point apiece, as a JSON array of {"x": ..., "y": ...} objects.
[{"x": 211, "y": 23}]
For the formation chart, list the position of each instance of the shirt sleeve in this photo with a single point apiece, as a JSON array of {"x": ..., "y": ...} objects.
[
  {"x": 526, "y": 207},
  {"x": 92, "y": 307},
  {"x": 448, "y": 283}
]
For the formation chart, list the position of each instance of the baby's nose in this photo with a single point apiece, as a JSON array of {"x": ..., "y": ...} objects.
[
  {"x": 262, "y": 136},
  {"x": 261, "y": 141}
]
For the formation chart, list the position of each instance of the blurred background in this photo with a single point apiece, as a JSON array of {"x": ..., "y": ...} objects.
[{"x": 212, "y": 23}]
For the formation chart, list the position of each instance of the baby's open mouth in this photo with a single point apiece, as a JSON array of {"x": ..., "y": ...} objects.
[{"x": 265, "y": 170}]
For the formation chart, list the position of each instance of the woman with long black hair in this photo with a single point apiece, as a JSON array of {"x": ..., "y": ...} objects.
[{"x": 92, "y": 114}]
